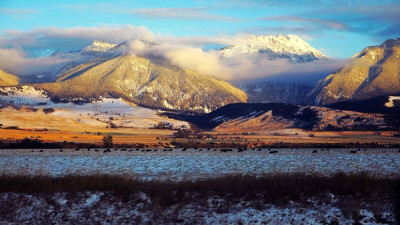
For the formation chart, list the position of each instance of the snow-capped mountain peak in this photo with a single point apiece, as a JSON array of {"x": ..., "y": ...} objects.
[
  {"x": 281, "y": 46},
  {"x": 98, "y": 46}
]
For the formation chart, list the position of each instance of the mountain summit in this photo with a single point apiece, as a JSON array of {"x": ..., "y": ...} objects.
[
  {"x": 282, "y": 46},
  {"x": 98, "y": 46},
  {"x": 375, "y": 71}
]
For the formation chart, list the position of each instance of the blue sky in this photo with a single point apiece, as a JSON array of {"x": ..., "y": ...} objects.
[{"x": 338, "y": 28}]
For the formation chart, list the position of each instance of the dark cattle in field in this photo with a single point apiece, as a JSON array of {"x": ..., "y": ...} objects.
[{"x": 273, "y": 152}]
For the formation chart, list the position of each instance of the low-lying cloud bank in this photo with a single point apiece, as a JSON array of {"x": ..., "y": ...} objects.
[
  {"x": 17, "y": 50},
  {"x": 237, "y": 68}
]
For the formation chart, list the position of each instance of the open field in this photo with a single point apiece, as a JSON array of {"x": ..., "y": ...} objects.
[
  {"x": 128, "y": 136},
  {"x": 198, "y": 163},
  {"x": 153, "y": 136}
]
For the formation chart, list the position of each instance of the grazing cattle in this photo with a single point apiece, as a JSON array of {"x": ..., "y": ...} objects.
[
  {"x": 61, "y": 150},
  {"x": 315, "y": 151},
  {"x": 353, "y": 151},
  {"x": 77, "y": 149},
  {"x": 183, "y": 150},
  {"x": 32, "y": 151},
  {"x": 40, "y": 150},
  {"x": 88, "y": 149},
  {"x": 96, "y": 150},
  {"x": 273, "y": 152},
  {"x": 226, "y": 150}
]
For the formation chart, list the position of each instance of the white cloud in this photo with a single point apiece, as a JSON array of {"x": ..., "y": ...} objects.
[
  {"x": 241, "y": 67},
  {"x": 186, "y": 52},
  {"x": 15, "y": 61}
]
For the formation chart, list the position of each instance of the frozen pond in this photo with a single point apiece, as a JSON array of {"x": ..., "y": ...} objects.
[{"x": 178, "y": 164}]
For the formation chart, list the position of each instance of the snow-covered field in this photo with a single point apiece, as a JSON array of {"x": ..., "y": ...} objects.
[
  {"x": 104, "y": 208},
  {"x": 93, "y": 115},
  {"x": 193, "y": 163}
]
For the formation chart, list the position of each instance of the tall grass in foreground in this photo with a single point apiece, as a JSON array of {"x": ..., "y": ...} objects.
[{"x": 274, "y": 187}]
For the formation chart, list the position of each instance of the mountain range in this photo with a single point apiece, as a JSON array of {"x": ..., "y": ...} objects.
[{"x": 103, "y": 70}]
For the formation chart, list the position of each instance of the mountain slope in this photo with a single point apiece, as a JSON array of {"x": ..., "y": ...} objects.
[
  {"x": 7, "y": 79},
  {"x": 145, "y": 82},
  {"x": 375, "y": 71},
  {"x": 274, "y": 92},
  {"x": 282, "y": 46}
]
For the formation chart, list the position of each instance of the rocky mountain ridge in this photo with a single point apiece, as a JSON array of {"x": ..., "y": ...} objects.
[{"x": 375, "y": 71}]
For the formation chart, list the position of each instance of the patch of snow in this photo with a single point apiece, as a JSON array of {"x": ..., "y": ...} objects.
[
  {"x": 390, "y": 102},
  {"x": 23, "y": 95},
  {"x": 167, "y": 105}
]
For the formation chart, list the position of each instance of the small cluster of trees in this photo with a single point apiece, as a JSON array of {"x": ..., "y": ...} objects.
[{"x": 107, "y": 141}]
